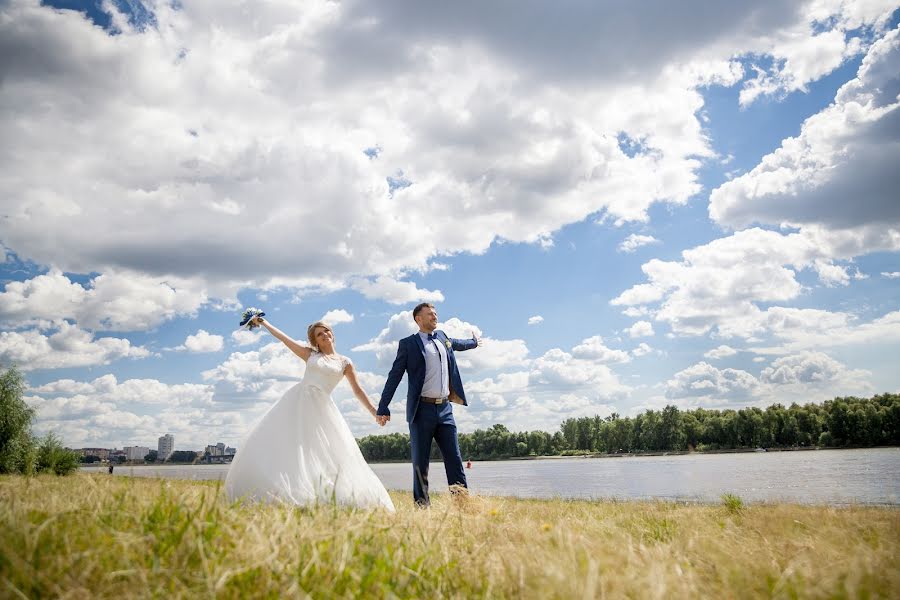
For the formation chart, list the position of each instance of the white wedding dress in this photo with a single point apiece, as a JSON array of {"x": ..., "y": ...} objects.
[{"x": 302, "y": 451}]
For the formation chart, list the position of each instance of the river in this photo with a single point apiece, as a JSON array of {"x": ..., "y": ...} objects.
[{"x": 864, "y": 476}]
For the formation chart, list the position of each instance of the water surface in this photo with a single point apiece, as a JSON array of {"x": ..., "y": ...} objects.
[{"x": 867, "y": 476}]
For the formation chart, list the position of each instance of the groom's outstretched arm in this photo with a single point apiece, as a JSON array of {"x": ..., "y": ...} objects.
[
  {"x": 460, "y": 345},
  {"x": 393, "y": 380}
]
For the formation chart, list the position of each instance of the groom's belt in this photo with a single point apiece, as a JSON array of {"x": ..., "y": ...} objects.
[{"x": 434, "y": 400}]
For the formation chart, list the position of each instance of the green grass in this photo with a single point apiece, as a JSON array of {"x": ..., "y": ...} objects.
[
  {"x": 95, "y": 536},
  {"x": 732, "y": 503}
]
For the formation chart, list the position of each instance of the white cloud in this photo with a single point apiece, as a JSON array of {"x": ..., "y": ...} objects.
[
  {"x": 129, "y": 393},
  {"x": 642, "y": 293},
  {"x": 848, "y": 149},
  {"x": 337, "y": 316},
  {"x": 802, "y": 377},
  {"x": 831, "y": 274},
  {"x": 641, "y": 329},
  {"x": 203, "y": 341},
  {"x": 722, "y": 351},
  {"x": 209, "y": 115},
  {"x": 719, "y": 286},
  {"x": 112, "y": 301},
  {"x": 504, "y": 383},
  {"x": 642, "y": 349},
  {"x": 258, "y": 369},
  {"x": 798, "y": 61},
  {"x": 798, "y": 330},
  {"x": 809, "y": 368},
  {"x": 244, "y": 337},
  {"x": 395, "y": 291},
  {"x": 559, "y": 370},
  {"x": 593, "y": 348},
  {"x": 67, "y": 346},
  {"x": 636, "y": 311},
  {"x": 891, "y": 275},
  {"x": 492, "y": 400},
  {"x": 492, "y": 355},
  {"x": 635, "y": 241},
  {"x": 705, "y": 380},
  {"x": 384, "y": 345},
  {"x": 106, "y": 413},
  {"x": 535, "y": 320}
]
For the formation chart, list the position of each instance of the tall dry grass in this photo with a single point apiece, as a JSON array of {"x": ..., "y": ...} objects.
[{"x": 95, "y": 536}]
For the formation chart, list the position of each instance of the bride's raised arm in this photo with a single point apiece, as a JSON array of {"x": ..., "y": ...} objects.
[{"x": 295, "y": 347}]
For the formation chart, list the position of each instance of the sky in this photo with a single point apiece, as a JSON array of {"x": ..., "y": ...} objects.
[{"x": 634, "y": 204}]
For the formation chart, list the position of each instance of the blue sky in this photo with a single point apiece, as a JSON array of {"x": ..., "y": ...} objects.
[{"x": 633, "y": 210}]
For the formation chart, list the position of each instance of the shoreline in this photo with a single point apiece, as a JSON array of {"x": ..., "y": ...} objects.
[
  {"x": 657, "y": 453},
  {"x": 541, "y": 457}
]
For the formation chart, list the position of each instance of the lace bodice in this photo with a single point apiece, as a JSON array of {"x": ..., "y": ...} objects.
[{"x": 324, "y": 372}]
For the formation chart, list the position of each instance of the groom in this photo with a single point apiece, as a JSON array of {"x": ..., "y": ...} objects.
[{"x": 433, "y": 381}]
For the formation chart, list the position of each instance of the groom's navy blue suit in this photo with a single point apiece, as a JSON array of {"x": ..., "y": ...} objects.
[{"x": 428, "y": 421}]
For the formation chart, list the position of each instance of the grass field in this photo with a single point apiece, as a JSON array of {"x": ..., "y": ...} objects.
[{"x": 95, "y": 536}]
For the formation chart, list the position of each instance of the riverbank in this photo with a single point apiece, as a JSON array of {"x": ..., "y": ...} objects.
[
  {"x": 99, "y": 536},
  {"x": 675, "y": 453},
  {"x": 652, "y": 453}
]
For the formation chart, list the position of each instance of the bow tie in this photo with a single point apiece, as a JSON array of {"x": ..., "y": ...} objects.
[{"x": 431, "y": 336}]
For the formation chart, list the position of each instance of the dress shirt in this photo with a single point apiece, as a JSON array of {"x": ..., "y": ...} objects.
[{"x": 437, "y": 372}]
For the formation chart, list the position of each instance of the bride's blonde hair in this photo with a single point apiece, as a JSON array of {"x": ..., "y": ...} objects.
[{"x": 311, "y": 333}]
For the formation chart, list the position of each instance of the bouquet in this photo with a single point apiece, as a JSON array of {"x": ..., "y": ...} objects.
[{"x": 247, "y": 316}]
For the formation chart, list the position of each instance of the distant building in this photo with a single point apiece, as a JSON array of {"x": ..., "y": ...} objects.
[
  {"x": 165, "y": 447},
  {"x": 219, "y": 449},
  {"x": 101, "y": 453},
  {"x": 136, "y": 452}
]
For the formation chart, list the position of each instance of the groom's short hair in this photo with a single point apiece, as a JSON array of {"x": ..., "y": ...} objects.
[{"x": 421, "y": 307}]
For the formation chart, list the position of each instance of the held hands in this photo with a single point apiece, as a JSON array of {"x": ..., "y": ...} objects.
[
  {"x": 382, "y": 419},
  {"x": 478, "y": 340}
]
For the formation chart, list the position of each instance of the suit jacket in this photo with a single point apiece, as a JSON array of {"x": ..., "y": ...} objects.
[{"x": 411, "y": 359}]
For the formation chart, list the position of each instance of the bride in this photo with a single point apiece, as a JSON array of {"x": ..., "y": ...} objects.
[{"x": 302, "y": 451}]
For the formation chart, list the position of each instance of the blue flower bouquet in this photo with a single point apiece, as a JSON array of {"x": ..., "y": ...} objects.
[{"x": 248, "y": 315}]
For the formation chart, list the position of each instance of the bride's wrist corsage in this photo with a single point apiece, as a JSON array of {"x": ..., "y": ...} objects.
[{"x": 247, "y": 318}]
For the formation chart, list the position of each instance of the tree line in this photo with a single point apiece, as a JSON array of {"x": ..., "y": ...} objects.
[{"x": 842, "y": 422}]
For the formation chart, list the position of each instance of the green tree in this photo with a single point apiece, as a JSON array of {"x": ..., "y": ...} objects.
[
  {"x": 182, "y": 456},
  {"x": 569, "y": 431},
  {"x": 621, "y": 435},
  {"x": 151, "y": 457},
  {"x": 650, "y": 431},
  {"x": 692, "y": 428},
  {"x": 671, "y": 435},
  {"x": 52, "y": 457},
  {"x": 17, "y": 452},
  {"x": 838, "y": 420}
]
